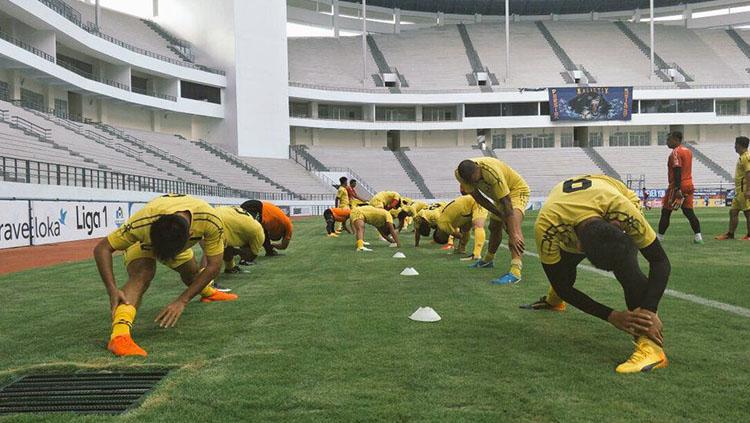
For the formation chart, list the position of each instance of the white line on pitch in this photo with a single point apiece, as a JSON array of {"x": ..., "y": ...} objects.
[{"x": 740, "y": 311}]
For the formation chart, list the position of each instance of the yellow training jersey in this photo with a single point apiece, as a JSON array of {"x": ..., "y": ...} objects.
[
  {"x": 743, "y": 166},
  {"x": 498, "y": 179},
  {"x": 431, "y": 214},
  {"x": 343, "y": 196},
  {"x": 240, "y": 229},
  {"x": 460, "y": 212},
  {"x": 205, "y": 224},
  {"x": 384, "y": 198},
  {"x": 415, "y": 207},
  {"x": 372, "y": 215},
  {"x": 575, "y": 200}
]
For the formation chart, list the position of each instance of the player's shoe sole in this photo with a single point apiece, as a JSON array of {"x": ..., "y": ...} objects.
[
  {"x": 219, "y": 296},
  {"x": 698, "y": 242},
  {"x": 723, "y": 237},
  {"x": 542, "y": 304},
  {"x": 363, "y": 250},
  {"x": 123, "y": 346}
]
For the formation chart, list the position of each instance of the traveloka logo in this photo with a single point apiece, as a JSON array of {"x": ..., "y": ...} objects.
[
  {"x": 119, "y": 217},
  {"x": 63, "y": 216}
]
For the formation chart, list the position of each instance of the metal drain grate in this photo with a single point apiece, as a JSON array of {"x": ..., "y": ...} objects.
[{"x": 103, "y": 393}]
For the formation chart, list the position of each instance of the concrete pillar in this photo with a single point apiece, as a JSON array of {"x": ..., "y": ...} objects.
[
  {"x": 155, "y": 8},
  {"x": 508, "y": 138},
  {"x": 594, "y": 16},
  {"x": 558, "y": 136},
  {"x": 743, "y": 107},
  {"x": 418, "y": 138},
  {"x": 335, "y": 18},
  {"x": 606, "y": 131},
  {"x": 314, "y": 110},
  {"x": 440, "y": 19},
  {"x": 156, "y": 120},
  {"x": 477, "y": 18},
  {"x": 687, "y": 16},
  {"x": 419, "y": 113},
  {"x": 460, "y": 137},
  {"x": 554, "y": 18},
  {"x": 367, "y": 139},
  {"x": 637, "y": 16},
  {"x": 396, "y": 21},
  {"x": 97, "y": 14},
  {"x": 49, "y": 97},
  {"x": 14, "y": 85},
  {"x": 315, "y": 136},
  {"x": 101, "y": 110},
  {"x": 654, "y": 135}
]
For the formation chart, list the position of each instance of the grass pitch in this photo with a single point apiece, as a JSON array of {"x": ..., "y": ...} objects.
[{"x": 322, "y": 334}]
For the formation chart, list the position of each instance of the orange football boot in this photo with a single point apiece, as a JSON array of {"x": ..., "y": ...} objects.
[
  {"x": 219, "y": 296},
  {"x": 124, "y": 345}
]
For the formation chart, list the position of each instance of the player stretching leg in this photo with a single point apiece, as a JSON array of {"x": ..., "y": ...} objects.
[
  {"x": 504, "y": 193},
  {"x": 680, "y": 191},
  {"x": 741, "y": 200},
  {"x": 379, "y": 218},
  {"x": 166, "y": 230},
  {"x": 599, "y": 218}
]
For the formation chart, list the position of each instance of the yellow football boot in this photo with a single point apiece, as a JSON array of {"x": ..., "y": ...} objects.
[{"x": 646, "y": 357}]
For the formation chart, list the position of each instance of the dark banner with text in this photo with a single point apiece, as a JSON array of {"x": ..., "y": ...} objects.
[{"x": 591, "y": 103}]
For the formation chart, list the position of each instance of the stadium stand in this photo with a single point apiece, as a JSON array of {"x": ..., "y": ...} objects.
[
  {"x": 288, "y": 173},
  {"x": 687, "y": 49},
  {"x": 335, "y": 62},
  {"x": 722, "y": 154},
  {"x": 378, "y": 167},
  {"x": 651, "y": 161},
  {"x": 722, "y": 43}
]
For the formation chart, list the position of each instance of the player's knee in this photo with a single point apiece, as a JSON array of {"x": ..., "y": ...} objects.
[{"x": 141, "y": 271}]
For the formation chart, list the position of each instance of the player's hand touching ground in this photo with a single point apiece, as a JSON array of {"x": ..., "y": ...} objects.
[{"x": 170, "y": 314}]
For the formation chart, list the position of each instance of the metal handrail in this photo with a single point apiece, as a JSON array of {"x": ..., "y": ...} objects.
[
  {"x": 154, "y": 94},
  {"x": 140, "y": 143},
  {"x": 28, "y": 47},
  {"x": 25, "y": 125},
  {"x": 74, "y": 16},
  {"x": 14, "y": 169}
]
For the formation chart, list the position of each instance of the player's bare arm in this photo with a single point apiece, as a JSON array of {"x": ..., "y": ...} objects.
[
  {"x": 170, "y": 314},
  {"x": 103, "y": 256},
  {"x": 281, "y": 245}
]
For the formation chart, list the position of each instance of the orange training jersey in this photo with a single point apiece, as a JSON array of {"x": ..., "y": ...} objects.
[
  {"x": 340, "y": 215},
  {"x": 276, "y": 222},
  {"x": 681, "y": 157}
]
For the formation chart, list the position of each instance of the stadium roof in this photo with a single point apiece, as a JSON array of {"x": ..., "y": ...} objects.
[{"x": 522, "y": 7}]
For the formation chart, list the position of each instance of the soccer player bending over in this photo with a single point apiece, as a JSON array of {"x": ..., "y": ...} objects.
[
  {"x": 243, "y": 236},
  {"x": 165, "y": 230},
  {"x": 457, "y": 219},
  {"x": 334, "y": 215},
  {"x": 741, "y": 201},
  {"x": 276, "y": 224},
  {"x": 379, "y": 218},
  {"x": 680, "y": 191},
  {"x": 599, "y": 218},
  {"x": 426, "y": 220},
  {"x": 504, "y": 193}
]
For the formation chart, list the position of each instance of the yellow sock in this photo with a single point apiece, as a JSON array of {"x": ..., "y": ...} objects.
[
  {"x": 209, "y": 290},
  {"x": 123, "y": 320},
  {"x": 360, "y": 243},
  {"x": 552, "y": 298},
  {"x": 516, "y": 265},
  {"x": 488, "y": 257},
  {"x": 479, "y": 237}
]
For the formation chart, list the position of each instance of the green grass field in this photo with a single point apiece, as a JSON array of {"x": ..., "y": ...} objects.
[{"x": 322, "y": 334}]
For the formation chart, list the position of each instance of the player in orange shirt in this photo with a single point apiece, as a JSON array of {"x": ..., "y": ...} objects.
[
  {"x": 334, "y": 215},
  {"x": 276, "y": 224},
  {"x": 680, "y": 191}
]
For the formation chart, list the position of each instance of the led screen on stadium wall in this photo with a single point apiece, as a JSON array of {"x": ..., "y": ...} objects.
[{"x": 591, "y": 103}]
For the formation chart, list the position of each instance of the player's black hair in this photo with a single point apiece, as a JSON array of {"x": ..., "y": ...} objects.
[
  {"x": 422, "y": 226},
  {"x": 352, "y": 182},
  {"x": 676, "y": 135},
  {"x": 440, "y": 237},
  {"x": 169, "y": 233},
  {"x": 606, "y": 246},
  {"x": 343, "y": 180},
  {"x": 742, "y": 141},
  {"x": 466, "y": 169},
  {"x": 403, "y": 214},
  {"x": 255, "y": 208}
]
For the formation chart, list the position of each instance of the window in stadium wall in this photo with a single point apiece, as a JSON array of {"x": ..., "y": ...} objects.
[
  {"x": 520, "y": 109},
  {"x": 299, "y": 109},
  {"x": 661, "y": 137},
  {"x": 396, "y": 114},
  {"x": 4, "y": 90},
  {"x": 74, "y": 65},
  {"x": 566, "y": 140},
  {"x": 695, "y": 105},
  {"x": 618, "y": 139},
  {"x": 639, "y": 138},
  {"x": 339, "y": 112},
  {"x": 544, "y": 108},
  {"x": 596, "y": 139},
  {"x": 61, "y": 107},
  {"x": 32, "y": 100},
  {"x": 533, "y": 140},
  {"x": 438, "y": 114},
  {"x": 482, "y": 110},
  {"x": 727, "y": 107},
  {"x": 658, "y": 106},
  {"x": 498, "y": 141},
  {"x": 200, "y": 92}
]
